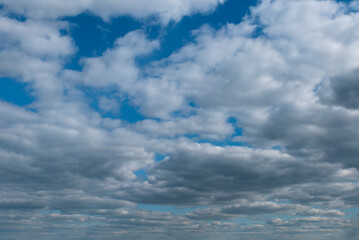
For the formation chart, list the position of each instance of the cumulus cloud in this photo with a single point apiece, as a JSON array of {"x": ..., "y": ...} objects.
[
  {"x": 165, "y": 11},
  {"x": 281, "y": 87},
  {"x": 36, "y": 38},
  {"x": 67, "y": 141},
  {"x": 117, "y": 66},
  {"x": 341, "y": 90}
]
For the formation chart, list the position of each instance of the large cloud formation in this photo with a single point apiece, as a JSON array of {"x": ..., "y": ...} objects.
[{"x": 257, "y": 123}]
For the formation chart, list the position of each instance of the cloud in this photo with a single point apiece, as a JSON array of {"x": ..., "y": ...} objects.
[
  {"x": 117, "y": 65},
  {"x": 259, "y": 208},
  {"x": 341, "y": 90},
  {"x": 34, "y": 51},
  {"x": 205, "y": 174},
  {"x": 210, "y": 124},
  {"x": 36, "y": 38},
  {"x": 281, "y": 86},
  {"x": 77, "y": 150},
  {"x": 109, "y": 105},
  {"x": 352, "y": 230},
  {"x": 275, "y": 74},
  {"x": 165, "y": 11}
]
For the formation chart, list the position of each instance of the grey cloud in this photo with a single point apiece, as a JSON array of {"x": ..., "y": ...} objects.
[
  {"x": 75, "y": 201},
  {"x": 352, "y": 197},
  {"x": 109, "y": 224},
  {"x": 295, "y": 222},
  {"x": 317, "y": 132},
  {"x": 259, "y": 208},
  {"x": 330, "y": 195},
  {"x": 208, "y": 174},
  {"x": 352, "y": 231},
  {"x": 64, "y": 162},
  {"x": 342, "y": 90},
  {"x": 80, "y": 150},
  {"x": 210, "y": 124},
  {"x": 73, "y": 169},
  {"x": 19, "y": 204}
]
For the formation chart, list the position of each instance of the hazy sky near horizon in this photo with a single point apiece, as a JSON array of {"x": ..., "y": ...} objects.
[{"x": 179, "y": 119}]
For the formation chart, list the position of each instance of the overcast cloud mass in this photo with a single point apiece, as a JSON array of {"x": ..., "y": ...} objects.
[{"x": 179, "y": 119}]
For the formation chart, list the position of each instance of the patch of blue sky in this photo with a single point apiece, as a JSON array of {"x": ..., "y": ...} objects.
[
  {"x": 168, "y": 208},
  {"x": 15, "y": 92},
  {"x": 160, "y": 157},
  {"x": 141, "y": 175},
  {"x": 126, "y": 110},
  {"x": 229, "y": 140},
  {"x": 277, "y": 147},
  {"x": 237, "y": 130},
  {"x": 93, "y": 36},
  {"x": 259, "y": 30},
  {"x": 130, "y": 113},
  {"x": 12, "y": 15},
  {"x": 176, "y": 35},
  {"x": 346, "y": 1},
  {"x": 350, "y": 212},
  {"x": 226, "y": 143}
]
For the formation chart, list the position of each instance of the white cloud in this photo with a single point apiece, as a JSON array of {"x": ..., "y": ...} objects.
[
  {"x": 210, "y": 124},
  {"x": 109, "y": 105},
  {"x": 164, "y": 10},
  {"x": 293, "y": 85},
  {"x": 34, "y": 51},
  {"x": 117, "y": 66},
  {"x": 36, "y": 38}
]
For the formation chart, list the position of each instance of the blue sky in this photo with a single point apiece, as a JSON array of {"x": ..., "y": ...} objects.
[{"x": 198, "y": 119}]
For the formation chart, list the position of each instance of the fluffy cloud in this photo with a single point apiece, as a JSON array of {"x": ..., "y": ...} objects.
[
  {"x": 285, "y": 77},
  {"x": 269, "y": 83},
  {"x": 36, "y": 38},
  {"x": 34, "y": 51},
  {"x": 163, "y": 10},
  {"x": 74, "y": 145}
]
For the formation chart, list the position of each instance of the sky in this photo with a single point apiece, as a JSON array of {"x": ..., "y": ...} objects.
[{"x": 179, "y": 119}]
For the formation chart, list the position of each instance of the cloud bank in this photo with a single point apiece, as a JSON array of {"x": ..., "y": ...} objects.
[{"x": 250, "y": 129}]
